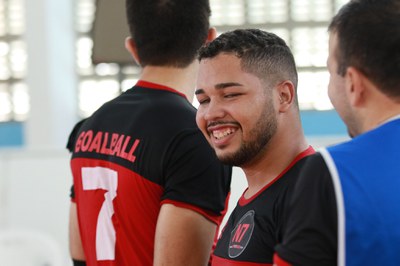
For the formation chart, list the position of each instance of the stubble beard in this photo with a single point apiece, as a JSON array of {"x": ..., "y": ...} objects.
[{"x": 262, "y": 133}]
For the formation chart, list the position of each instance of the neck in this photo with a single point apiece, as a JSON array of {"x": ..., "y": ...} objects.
[
  {"x": 180, "y": 79},
  {"x": 378, "y": 111}
]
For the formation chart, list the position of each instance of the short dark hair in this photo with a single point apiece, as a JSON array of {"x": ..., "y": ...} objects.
[
  {"x": 262, "y": 53},
  {"x": 368, "y": 34},
  {"x": 168, "y": 32}
]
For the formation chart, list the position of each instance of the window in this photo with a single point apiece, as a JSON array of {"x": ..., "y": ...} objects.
[
  {"x": 14, "y": 98},
  {"x": 302, "y": 23},
  {"x": 102, "y": 82}
]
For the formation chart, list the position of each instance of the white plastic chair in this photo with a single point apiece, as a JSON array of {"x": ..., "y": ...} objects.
[{"x": 28, "y": 248}]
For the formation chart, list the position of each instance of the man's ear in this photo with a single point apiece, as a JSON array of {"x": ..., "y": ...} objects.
[
  {"x": 212, "y": 34},
  {"x": 355, "y": 83},
  {"x": 286, "y": 95},
  {"x": 130, "y": 45}
]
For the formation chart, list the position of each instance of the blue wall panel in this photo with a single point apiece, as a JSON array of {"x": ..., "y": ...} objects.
[
  {"x": 315, "y": 123},
  {"x": 11, "y": 134},
  {"x": 322, "y": 123}
]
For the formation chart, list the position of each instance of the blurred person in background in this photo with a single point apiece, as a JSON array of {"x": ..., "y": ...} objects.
[{"x": 345, "y": 208}]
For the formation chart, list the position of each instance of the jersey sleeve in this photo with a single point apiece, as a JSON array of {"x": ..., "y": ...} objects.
[
  {"x": 310, "y": 234},
  {"x": 70, "y": 148},
  {"x": 72, "y": 193},
  {"x": 73, "y": 135},
  {"x": 194, "y": 177}
]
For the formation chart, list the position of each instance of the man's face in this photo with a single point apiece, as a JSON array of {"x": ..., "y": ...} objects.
[
  {"x": 236, "y": 112},
  {"x": 337, "y": 89}
]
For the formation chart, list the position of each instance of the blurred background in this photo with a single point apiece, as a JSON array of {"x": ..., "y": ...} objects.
[{"x": 61, "y": 59}]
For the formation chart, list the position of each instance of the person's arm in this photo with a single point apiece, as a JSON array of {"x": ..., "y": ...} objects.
[
  {"x": 75, "y": 243},
  {"x": 310, "y": 233},
  {"x": 183, "y": 237},
  {"x": 193, "y": 203}
]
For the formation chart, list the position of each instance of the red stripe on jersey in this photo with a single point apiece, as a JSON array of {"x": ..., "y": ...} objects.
[
  {"x": 151, "y": 85},
  {"x": 117, "y": 212},
  {"x": 207, "y": 214},
  {"x": 218, "y": 261},
  {"x": 310, "y": 150},
  {"x": 278, "y": 261}
]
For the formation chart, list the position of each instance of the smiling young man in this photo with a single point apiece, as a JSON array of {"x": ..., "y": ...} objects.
[{"x": 249, "y": 114}]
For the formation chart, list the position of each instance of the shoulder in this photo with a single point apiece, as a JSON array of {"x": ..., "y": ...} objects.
[
  {"x": 314, "y": 162},
  {"x": 314, "y": 172},
  {"x": 314, "y": 187},
  {"x": 309, "y": 235},
  {"x": 290, "y": 177},
  {"x": 73, "y": 135},
  {"x": 190, "y": 139}
]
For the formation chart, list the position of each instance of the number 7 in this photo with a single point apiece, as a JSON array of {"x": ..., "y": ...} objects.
[{"x": 103, "y": 178}]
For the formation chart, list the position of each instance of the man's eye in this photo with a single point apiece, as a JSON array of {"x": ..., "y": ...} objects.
[
  {"x": 203, "y": 101},
  {"x": 232, "y": 95}
]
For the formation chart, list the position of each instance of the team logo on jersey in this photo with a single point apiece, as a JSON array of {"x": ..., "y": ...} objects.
[{"x": 241, "y": 234}]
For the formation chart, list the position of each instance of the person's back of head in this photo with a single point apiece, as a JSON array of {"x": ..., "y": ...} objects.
[
  {"x": 262, "y": 53},
  {"x": 168, "y": 32},
  {"x": 368, "y": 33}
]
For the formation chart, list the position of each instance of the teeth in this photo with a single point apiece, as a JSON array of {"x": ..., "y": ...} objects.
[{"x": 219, "y": 134}]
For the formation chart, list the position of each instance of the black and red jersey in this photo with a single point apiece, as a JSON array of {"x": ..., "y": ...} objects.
[
  {"x": 310, "y": 235},
  {"x": 255, "y": 225},
  {"x": 135, "y": 153}
]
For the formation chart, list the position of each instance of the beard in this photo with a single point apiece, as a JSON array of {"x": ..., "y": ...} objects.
[{"x": 264, "y": 129}]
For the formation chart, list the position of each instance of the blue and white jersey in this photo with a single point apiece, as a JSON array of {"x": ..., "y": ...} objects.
[{"x": 366, "y": 177}]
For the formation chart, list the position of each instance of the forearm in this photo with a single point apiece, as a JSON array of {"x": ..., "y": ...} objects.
[
  {"x": 183, "y": 237},
  {"x": 75, "y": 243}
]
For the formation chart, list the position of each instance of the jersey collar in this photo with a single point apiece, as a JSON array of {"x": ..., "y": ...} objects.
[
  {"x": 151, "y": 85},
  {"x": 310, "y": 150}
]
